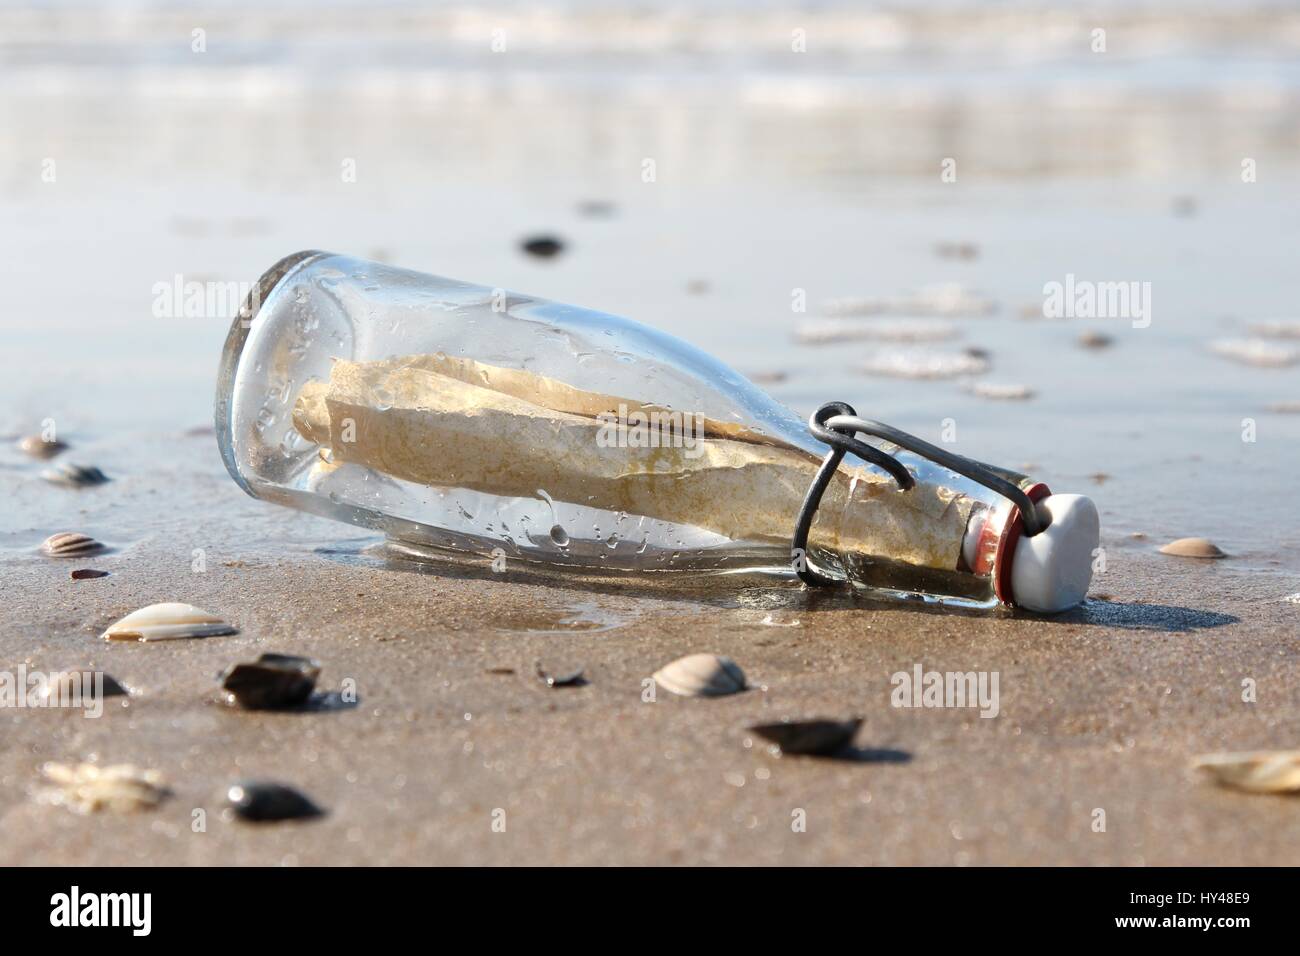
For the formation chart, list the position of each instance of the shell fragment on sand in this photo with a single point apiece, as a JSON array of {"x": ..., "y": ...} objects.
[
  {"x": 263, "y": 801},
  {"x": 1260, "y": 353},
  {"x": 38, "y": 447},
  {"x": 1002, "y": 393},
  {"x": 1261, "y": 771},
  {"x": 701, "y": 675},
  {"x": 69, "y": 688},
  {"x": 1193, "y": 548},
  {"x": 1277, "y": 329},
  {"x": 74, "y": 476},
  {"x": 70, "y": 544},
  {"x": 565, "y": 678},
  {"x": 923, "y": 364},
  {"x": 827, "y": 331},
  {"x": 949, "y": 300},
  {"x": 272, "y": 682},
  {"x": 88, "y": 787},
  {"x": 1095, "y": 340},
  {"x": 814, "y": 738},
  {"x": 167, "y": 621}
]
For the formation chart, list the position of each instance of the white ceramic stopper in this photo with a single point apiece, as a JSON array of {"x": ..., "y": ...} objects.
[{"x": 1051, "y": 571}]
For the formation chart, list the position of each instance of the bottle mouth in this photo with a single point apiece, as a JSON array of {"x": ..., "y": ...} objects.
[{"x": 234, "y": 347}]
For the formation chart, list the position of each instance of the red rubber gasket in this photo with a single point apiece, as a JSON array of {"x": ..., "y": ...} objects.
[{"x": 1011, "y": 532}]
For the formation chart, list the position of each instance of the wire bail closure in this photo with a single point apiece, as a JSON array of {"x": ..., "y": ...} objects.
[{"x": 837, "y": 424}]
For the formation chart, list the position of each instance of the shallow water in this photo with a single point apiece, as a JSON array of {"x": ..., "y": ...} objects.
[{"x": 775, "y": 173}]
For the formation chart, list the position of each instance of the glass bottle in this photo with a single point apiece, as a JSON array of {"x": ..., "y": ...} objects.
[{"x": 466, "y": 421}]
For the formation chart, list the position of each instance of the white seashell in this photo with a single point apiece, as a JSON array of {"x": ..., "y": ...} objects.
[
  {"x": 163, "y": 622},
  {"x": 923, "y": 363},
  {"x": 701, "y": 675},
  {"x": 70, "y": 544},
  {"x": 947, "y": 301},
  {"x": 1261, "y": 771},
  {"x": 823, "y": 331},
  {"x": 1259, "y": 352},
  {"x": 1277, "y": 329},
  {"x": 1003, "y": 393},
  {"x": 88, "y": 787}
]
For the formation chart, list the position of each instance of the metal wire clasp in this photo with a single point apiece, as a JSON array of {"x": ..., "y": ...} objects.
[{"x": 837, "y": 424}]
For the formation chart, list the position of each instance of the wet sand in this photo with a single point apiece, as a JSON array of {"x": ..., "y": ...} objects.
[{"x": 1100, "y": 708}]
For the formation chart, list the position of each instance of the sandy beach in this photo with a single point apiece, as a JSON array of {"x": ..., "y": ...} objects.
[
  {"x": 1100, "y": 708},
  {"x": 813, "y": 179}
]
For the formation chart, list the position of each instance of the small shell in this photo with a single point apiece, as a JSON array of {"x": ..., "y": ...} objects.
[
  {"x": 1193, "y": 548},
  {"x": 162, "y": 622},
  {"x": 567, "y": 678},
  {"x": 1277, "y": 329},
  {"x": 1262, "y": 353},
  {"x": 701, "y": 675},
  {"x": 272, "y": 682},
  {"x": 1002, "y": 393},
  {"x": 38, "y": 447},
  {"x": 86, "y": 574},
  {"x": 64, "y": 687},
  {"x": 1261, "y": 771},
  {"x": 924, "y": 364},
  {"x": 817, "y": 738},
  {"x": 543, "y": 247},
  {"x": 74, "y": 476},
  {"x": 261, "y": 801},
  {"x": 824, "y": 331},
  {"x": 70, "y": 544},
  {"x": 88, "y": 787},
  {"x": 1095, "y": 340}
]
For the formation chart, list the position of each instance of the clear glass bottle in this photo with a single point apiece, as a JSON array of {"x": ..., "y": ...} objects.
[{"x": 462, "y": 420}]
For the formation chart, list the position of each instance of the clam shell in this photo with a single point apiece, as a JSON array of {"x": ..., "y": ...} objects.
[
  {"x": 168, "y": 621},
  {"x": 566, "y": 678},
  {"x": 38, "y": 447},
  {"x": 1002, "y": 392},
  {"x": 70, "y": 544},
  {"x": 817, "y": 738},
  {"x": 824, "y": 331},
  {"x": 88, "y": 787},
  {"x": 262, "y": 801},
  {"x": 1260, "y": 771},
  {"x": 74, "y": 476},
  {"x": 1193, "y": 548},
  {"x": 701, "y": 675},
  {"x": 273, "y": 681},
  {"x": 64, "y": 685},
  {"x": 1095, "y": 340},
  {"x": 1263, "y": 353},
  {"x": 921, "y": 363}
]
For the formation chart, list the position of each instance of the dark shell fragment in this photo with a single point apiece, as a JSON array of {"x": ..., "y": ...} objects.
[
  {"x": 571, "y": 679},
  {"x": 816, "y": 738},
  {"x": 262, "y": 801},
  {"x": 543, "y": 247},
  {"x": 272, "y": 682}
]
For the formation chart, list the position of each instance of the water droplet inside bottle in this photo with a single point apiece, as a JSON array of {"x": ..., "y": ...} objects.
[
  {"x": 383, "y": 399},
  {"x": 560, "y": 536}
]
